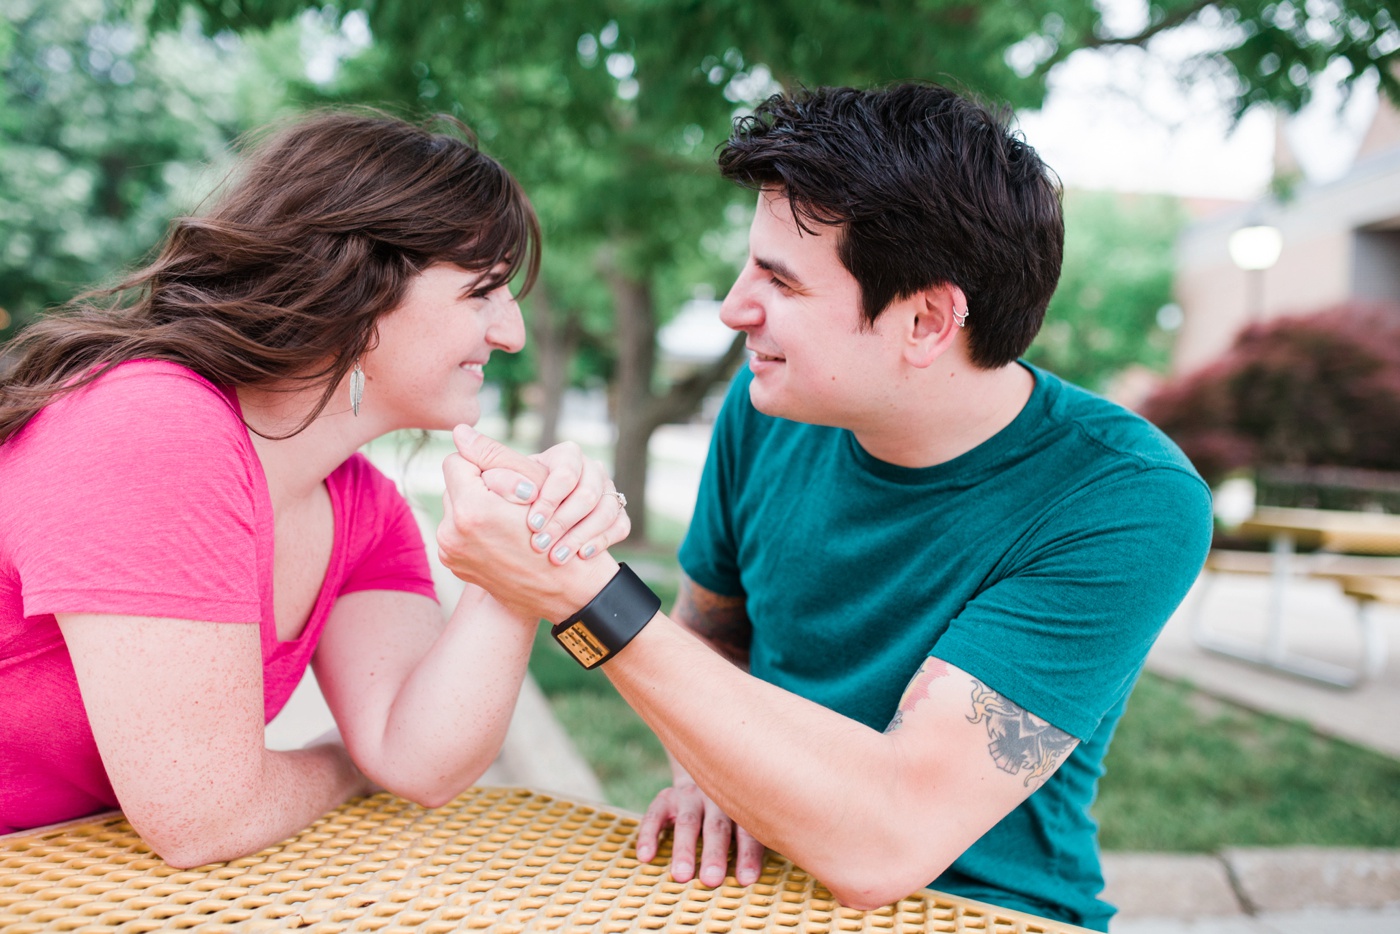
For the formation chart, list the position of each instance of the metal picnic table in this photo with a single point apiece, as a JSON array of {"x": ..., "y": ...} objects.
[
  {"x": 497, "y": 859},
  {"x": 1356, "y": 549}
]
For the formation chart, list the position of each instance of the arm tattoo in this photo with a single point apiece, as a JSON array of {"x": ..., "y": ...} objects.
[
  {"x": 931, "y": 670},
  {"x": 1019, "y": 739},
  {"x": 721, "y": 621}
]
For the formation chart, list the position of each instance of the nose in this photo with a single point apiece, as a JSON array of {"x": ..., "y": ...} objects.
[
  {"x": 741, "y": 309},
  {"x": 507, "y": 328}
]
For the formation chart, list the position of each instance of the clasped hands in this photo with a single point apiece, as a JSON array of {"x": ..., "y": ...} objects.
[
  {"x": 533, "y": 531},
  {"x": 503, "y": 513}
]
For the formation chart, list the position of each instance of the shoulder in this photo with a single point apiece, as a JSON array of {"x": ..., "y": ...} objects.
[
  {"x": 365, "y": 484},
  {"x": 148, "y": 397},
  {"x": 1115, "y": 477},
  {"x": 142, "y": 382},
  {"x": 371, "y": 502},
  {"x": 141, "y": 413},
  {"x": 1113, "y": 429}
]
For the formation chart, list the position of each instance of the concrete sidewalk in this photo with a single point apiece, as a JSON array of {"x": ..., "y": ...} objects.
[{"x": 1277, "y": 890}]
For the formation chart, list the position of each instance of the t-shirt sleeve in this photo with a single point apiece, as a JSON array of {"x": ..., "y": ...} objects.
[
  {"x": 1064, "y": 633},
  {"x": 387, "y": 551},
  {"x": 709, "y": 553},
  {"x": 139, "y": 500}
]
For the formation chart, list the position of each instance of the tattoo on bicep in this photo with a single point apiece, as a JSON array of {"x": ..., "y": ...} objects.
[
  {"x": 719, "y": 620},
  {"x": 1019, "y": 739},
  {"x": 930, "y": 671}
]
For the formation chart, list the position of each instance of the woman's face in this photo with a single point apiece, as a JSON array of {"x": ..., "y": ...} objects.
[{"x": 426, "y": 370}]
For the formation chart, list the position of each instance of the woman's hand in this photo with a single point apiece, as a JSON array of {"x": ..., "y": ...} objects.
[
  {"x": 578, "y": 511},
  {"x": 479, "y": 539},
  {"x": 574, "y": 508}
]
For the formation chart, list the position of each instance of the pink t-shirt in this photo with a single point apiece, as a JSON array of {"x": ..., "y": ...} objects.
[{"x": 142, "y": 495}]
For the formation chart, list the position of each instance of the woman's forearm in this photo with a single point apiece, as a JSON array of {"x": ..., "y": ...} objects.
[
  {"x": 448, "y": 720},
  {"x": 289, "y": 791}
]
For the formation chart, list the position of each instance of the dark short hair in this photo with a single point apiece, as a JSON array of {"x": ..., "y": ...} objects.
[{"x": 927, "y": 187}]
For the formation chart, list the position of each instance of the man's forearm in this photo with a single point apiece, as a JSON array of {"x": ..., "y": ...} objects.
[
  {"x": 810, "y": 783},
  {"x": 720, "y": 622}
]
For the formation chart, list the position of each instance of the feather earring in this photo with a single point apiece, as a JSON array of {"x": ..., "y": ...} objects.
[{"x": 357, "y": 387}]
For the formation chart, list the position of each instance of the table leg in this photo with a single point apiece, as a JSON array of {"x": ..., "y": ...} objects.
[{"x": 1282, "y": 570}]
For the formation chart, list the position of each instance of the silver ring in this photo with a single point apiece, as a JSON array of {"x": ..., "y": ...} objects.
[{"x": 621, "y": 500}]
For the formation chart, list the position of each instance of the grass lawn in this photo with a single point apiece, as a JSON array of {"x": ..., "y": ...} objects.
[{"x": 1185, "y": 772}]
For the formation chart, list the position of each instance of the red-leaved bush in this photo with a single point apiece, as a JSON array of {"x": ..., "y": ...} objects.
[{"x": 1316, "y": 390}]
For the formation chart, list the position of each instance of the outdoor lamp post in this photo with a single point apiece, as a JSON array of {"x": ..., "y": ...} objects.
[{"x": 1254, "y": 249}]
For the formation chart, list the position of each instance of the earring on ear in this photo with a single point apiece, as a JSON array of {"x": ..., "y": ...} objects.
[
  {"x": 357, "y": 387},
  {"x": 960, "y": 317}
]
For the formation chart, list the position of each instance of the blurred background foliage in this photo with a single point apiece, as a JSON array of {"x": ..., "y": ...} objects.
[
  {"x": 1116, "y": 279},
  {"x": 1316, "y": 390},
  {"x": 118, "y": 114},
  {"x": 107, "y": 130}
]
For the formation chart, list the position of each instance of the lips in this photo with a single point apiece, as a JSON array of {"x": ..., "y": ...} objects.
[{"x": 766, "y": 357}]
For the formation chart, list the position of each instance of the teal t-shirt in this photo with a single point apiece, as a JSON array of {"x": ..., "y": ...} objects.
[{"x": 1043, "y": 562}]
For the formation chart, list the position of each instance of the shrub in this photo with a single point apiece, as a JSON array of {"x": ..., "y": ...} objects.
[{"x": 1315, "y": 390}]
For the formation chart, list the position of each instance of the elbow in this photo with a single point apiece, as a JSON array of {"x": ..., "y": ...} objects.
[
  {"x": 190, "y": 849},
  {"x": 431, "y": 791},
  {"x": 186, "y": 837},
  {"x": 867, "y": 891},
  {"x": 431, "y": 798},
  {"x": 861, "y": 898},
  {"x": 876, "y": 879},
  {"x": 187, "y": 857}
]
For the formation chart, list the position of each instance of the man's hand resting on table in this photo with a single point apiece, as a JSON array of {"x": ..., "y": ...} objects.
[{"x": 691, "y": 815}]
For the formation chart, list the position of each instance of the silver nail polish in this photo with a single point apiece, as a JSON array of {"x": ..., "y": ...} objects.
[
  {"x": 524, "y": 490},
  {"x": 561, "y": 552},
  {"x": 542, "y": 540},
  {"x": 537, "y": 521},
  {"x": 589, "y": 550}
]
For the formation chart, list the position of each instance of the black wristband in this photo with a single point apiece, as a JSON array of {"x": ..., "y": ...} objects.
[{"x": 603, "y": 628}]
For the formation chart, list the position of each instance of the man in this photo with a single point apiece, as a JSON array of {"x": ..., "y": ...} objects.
[{"x": 930, "y": 573}]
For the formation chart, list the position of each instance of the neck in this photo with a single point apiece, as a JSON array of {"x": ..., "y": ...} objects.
[
  {"x": 296, "y": 466},
  {"x": 944, "y": 412}
]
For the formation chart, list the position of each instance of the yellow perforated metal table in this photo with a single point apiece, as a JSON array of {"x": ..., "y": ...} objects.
[{"x": 495, "y": 859}]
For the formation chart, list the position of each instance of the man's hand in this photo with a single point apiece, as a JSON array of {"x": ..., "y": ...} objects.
[
  {"x": 574, "y": 508},
  {"x": 691, "y": 815},
  {"x": 481, "y": 537}
]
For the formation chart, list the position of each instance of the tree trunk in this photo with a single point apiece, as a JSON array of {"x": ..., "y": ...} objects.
[
  {"x": 556, "y": 336},
  {"x": 639, "y": 410},
  {"x": 635, "y": 317}
]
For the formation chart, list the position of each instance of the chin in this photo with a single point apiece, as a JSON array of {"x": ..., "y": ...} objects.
[
  {"x": 769, "y": 403},
  {"x": 449, "y": 421}
]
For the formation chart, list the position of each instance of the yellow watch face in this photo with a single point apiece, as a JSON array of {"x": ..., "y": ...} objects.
[{"x": 582, "y": 645}]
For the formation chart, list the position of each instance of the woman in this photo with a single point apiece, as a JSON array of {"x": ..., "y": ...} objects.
[{"x": 179, "y": 464}]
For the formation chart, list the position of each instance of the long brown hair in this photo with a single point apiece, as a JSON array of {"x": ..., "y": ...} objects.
[{"x": 285, "y": 277}]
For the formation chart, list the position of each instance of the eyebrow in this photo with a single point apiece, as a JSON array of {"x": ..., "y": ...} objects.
[{"x": 779, "y": 269}]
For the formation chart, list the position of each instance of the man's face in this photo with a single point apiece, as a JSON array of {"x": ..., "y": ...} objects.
[{"x": 800, "y": 308}]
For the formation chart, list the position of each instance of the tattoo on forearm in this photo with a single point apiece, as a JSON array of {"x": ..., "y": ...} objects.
[
  {"x": 1019, "y": 739},
  {"x": 721, "y": 621},
  {"x": 931, "y": 670}
]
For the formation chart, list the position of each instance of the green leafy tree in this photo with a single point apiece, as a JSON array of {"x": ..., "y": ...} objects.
[
  {"x": 106, "y": 131},
  {"x": 609, "y": 114},
  {"x": 1316, "y": 390},
  {"x": 1117, "y": 275}
]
